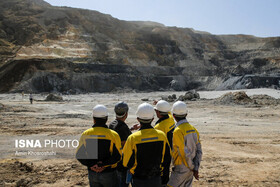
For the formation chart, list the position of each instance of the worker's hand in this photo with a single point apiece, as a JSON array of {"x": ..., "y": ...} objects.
[
  {"x": 97, "y": 169},
  {"x": 196, "y": 175},
  {"x": 155, "y": 102},
  {"x": 135, "y": 127}
]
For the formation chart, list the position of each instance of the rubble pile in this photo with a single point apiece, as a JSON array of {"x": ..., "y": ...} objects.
[
  {"x": 191, "y": 95},
  {"x": 242, "y": 98},
  {"x": 234, "y": 98},
  {"x": 53, "y": 97}
]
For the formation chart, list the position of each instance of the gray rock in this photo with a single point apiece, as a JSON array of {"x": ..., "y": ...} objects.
[
  {"x": 181, "y": 98},
  {"x": 53, "y": 97},
  {"x": 188, "y": 96},
  {"x": 164, "y": 97},
  {"x": 170, "y": 98},
  {"x": 191, "y": 95}
]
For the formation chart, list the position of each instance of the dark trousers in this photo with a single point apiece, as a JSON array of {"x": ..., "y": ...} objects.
[
  {"x": 166, "y": 172},
  {"x": 122, "y": 178},
  {"x": 153, "y": 182},
  {"x": 106, "y": 179}
]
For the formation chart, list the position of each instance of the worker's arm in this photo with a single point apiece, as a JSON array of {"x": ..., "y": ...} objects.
[
  {"x": 81, "y": 153},
  {"x": 116, "y": 152},
  {"x": 166, "y": 156},
  {"x": 198, "y": 155},
  {"x": 128, "y": 154},
  {"x": 166, "y": 163}
]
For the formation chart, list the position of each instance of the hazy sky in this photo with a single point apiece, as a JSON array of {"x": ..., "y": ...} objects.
[{"x": 253, "y": 17}]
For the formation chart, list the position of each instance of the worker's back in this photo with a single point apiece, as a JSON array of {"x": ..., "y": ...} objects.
[
  {"x": 166, "y": 125},
  {"x": 145, "y": 152},
  {"x": 99, "y": 145},
  {"x": 188, "y": 133}
]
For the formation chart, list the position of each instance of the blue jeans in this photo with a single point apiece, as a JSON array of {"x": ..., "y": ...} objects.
[{"x": 106, "y": 179}]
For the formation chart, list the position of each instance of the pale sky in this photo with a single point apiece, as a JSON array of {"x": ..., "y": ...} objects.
[{"x": 254, "y": 17}]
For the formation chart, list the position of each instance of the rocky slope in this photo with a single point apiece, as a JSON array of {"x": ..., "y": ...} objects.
[{"x": 45, "y": 48}]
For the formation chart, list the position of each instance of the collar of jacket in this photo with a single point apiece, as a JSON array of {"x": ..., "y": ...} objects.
[
  {"x": 120, "y": 122},
  {"x": 146, "y": 127},
  {"x": 99, "y": 125},
  {"x": 181, "y": 122},
  {"x": 162, "y": 118}
]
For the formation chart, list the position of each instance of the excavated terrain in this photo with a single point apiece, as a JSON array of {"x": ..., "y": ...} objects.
[
  {"x": 59, "y": 49},
  {"x": 240, "y": 142}
]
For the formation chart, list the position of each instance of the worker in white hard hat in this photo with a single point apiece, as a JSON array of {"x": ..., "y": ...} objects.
[
  {"x": 166, "y": 124},
  {"x": 146, "y": 151},
  {"x": 100, "y": 150},
  {"x": 187, "y": 152}
]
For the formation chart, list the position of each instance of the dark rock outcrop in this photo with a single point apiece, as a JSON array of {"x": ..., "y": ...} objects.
[
  {"x": 250, "y": 81},
  {"x": 191, "y": 95},
  {"x": 53, "y": 97}
]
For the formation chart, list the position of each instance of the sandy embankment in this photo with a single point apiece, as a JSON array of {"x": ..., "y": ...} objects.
[{"x": 241, "y": 144}]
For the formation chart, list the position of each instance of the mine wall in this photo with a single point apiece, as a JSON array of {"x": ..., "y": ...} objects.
[{"x": 64, "y": 76}]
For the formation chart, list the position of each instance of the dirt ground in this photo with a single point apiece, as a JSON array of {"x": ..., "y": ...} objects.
[{"x": 241, "y": 143}]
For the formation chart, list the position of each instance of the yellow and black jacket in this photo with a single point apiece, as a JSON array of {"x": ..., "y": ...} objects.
[
  {"x": 146, "y": 152},
  {"x": 99, "y": 145},
  {"x": 186, "y": 146},
  {"x": 166, "y": 124}
]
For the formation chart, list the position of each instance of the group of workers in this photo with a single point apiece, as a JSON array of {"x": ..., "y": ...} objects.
[{"x": 115, "y": 156}]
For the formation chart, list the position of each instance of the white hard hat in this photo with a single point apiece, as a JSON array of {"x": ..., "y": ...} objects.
[
  {"x": 145, "y": 111},
  {"x": 100, "y": 111},
  {"x": 163, "y": 106},
  {"x": 179, "y": 108}
]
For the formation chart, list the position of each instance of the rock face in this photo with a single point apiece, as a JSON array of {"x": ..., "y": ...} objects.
[
  {"x": 250, "y": 81},
  {"x": 46, "y": 48}
]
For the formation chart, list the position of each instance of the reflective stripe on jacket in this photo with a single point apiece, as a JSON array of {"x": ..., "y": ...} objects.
[
  {"x": 99, "y": 145},
  {"x": 146, "y": 152}
]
